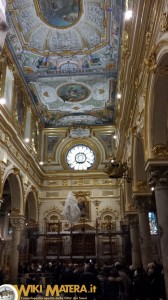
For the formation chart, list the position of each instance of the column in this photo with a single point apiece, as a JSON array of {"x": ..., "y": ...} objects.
[
  {"x": 135, "y": 240},
  {"x": 159, "y": 179},
  {"x": 126, "y": 241},
  {"x": 17, "y": 222},
  {"x": 143, "y": 203}
]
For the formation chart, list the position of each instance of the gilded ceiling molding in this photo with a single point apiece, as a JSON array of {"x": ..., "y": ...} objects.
[
  {"x": 160, "y": 150},
  {"x": 164, "y": 22}
]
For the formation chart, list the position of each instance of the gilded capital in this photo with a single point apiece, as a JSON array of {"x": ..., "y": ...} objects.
[
  {"x": 142, "y": 185},
  {"x": 160, "y": 151}
]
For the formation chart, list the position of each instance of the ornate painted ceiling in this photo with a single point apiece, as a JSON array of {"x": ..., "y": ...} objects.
[{"x": 68, "y": 53}]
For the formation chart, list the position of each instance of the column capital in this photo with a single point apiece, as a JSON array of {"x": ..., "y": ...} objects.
[
  {"x": 158, "y": 176},
  {"x": 17, "y": 222}
]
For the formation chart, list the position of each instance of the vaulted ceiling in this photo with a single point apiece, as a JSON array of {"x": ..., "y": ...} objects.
[{"x": 67, "y": 51}]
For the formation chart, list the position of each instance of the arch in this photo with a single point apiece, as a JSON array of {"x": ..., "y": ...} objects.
[
  {"x": 107, "y": 211},
  {"x": 157, "y": 107},
  {"x": 31, "y": 207},
  {"x": 13, "y": 176},
  {"x": 53, "y": 214}
]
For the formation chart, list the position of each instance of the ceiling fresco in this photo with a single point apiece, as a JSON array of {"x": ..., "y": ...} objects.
[
  {"x": 68, "y": 53},
  {"x": 58, "y": 13}
]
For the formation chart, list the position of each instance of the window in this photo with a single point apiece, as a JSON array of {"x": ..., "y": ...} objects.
[
  {"x": 80, "y": 157},
  {"x": 153, "y": 223}
]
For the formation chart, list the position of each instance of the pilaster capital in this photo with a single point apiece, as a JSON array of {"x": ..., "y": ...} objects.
[
  {"x": 143, "y": 201},
  {"x": 17, "y": 222}
]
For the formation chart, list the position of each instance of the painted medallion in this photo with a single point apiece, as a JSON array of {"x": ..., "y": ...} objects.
[
  {"x": 73, "y": 92},
  {"x": 59, "y": 13}
]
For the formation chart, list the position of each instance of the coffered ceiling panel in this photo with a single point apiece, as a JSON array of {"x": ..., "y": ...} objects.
[{"x": 68, "y": 54}]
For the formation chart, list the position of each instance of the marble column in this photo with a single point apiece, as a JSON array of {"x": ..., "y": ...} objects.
[
  {"x": 159, "y": 180},
  {"x": 17, "y": 223},
  {"x": 135, "y": 240},
  {"x": 142, "y": 202}
]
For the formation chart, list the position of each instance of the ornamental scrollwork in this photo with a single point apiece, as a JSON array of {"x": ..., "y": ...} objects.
[{"x": 160, "y": 150}]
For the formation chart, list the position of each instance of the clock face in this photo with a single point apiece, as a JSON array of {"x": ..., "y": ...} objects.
[{"x": 80, "y": 157}]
